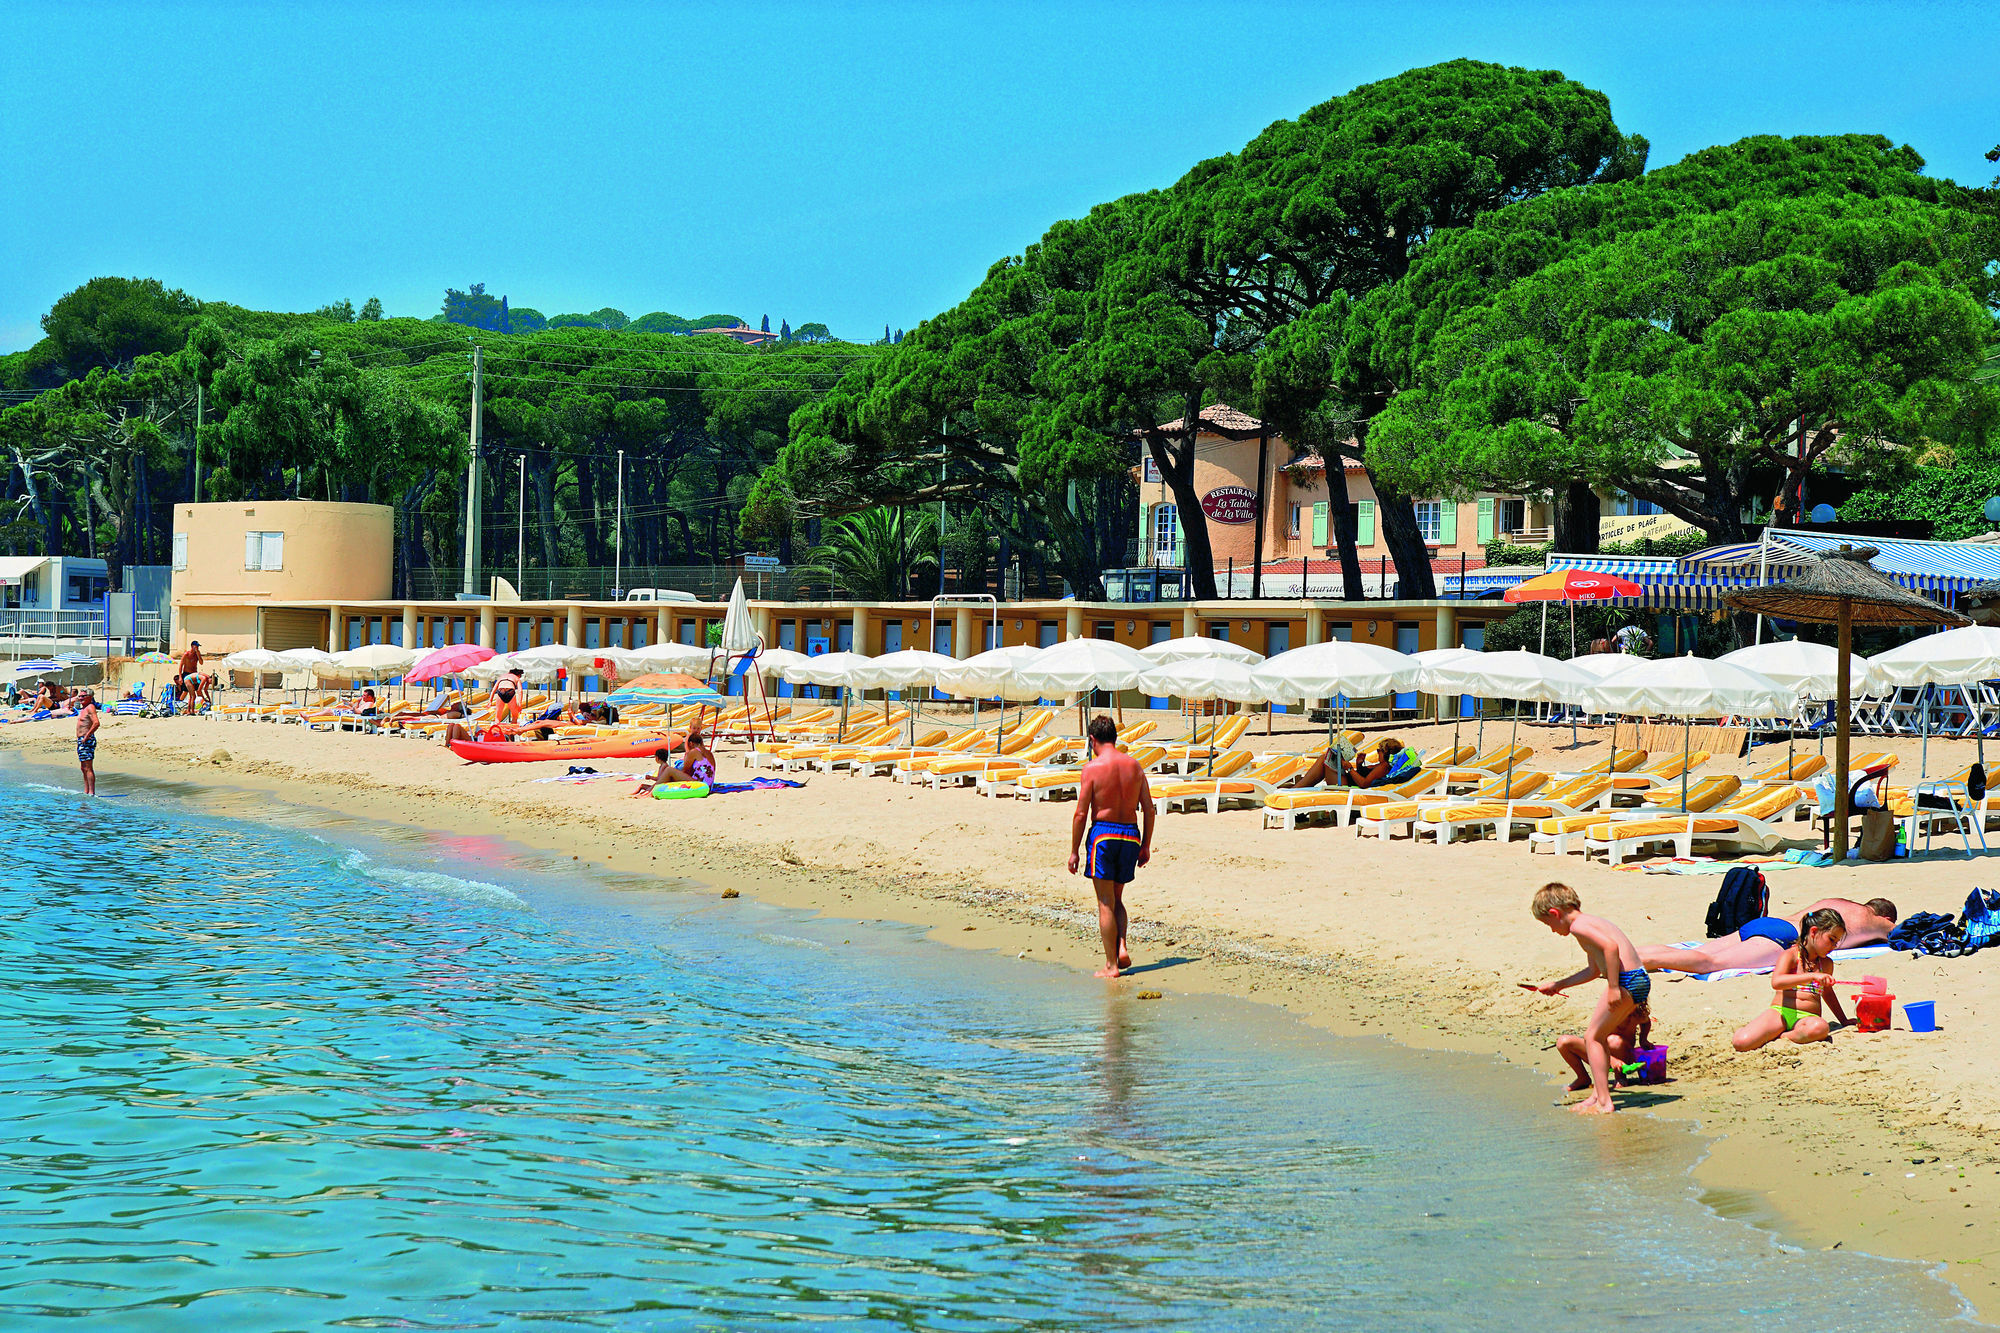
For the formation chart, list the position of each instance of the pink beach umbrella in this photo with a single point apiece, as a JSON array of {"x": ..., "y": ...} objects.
[{"x": 450, "y": 660}]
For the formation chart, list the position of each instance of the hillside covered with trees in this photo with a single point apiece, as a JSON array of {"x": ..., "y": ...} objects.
[{"x": 1460, "y": 278}]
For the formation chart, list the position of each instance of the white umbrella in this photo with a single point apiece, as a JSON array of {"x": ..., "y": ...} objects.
[
  {"x": 1599, "y": 665},
  {"x": 1430, "y": 662},
  {"x": 302, "y": 659},
  {"x": 739, "y": 632},
  {"x": 774, "y": 661},
  {"x": 1192, "y": 647},
  {"x": 670, "y": 657},
  {"x": 1690, "y": 687},
  {"x": 252, "y": 659},
  {"x": 1955, "y": 657},
  {"x": 1079, "y": 665},
  {"x": 371, "y": 661},
  {"x": 1518, "y": 675},
  {"x": 898, "y": 670},
  {"x": 1810, "y": 670},
  {"x": 826, "y": 669},
  {"x": 990, "y": 674},
  {"x": 1205, "y": 678},
  {"x": 1687, "y": 687},
  {"x": 1337, "y": 667}
]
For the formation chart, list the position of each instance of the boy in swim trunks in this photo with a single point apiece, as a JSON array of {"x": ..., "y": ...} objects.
[
  {"x": 1609, "y": 954},
  {"x": 1111, "y": 791}
]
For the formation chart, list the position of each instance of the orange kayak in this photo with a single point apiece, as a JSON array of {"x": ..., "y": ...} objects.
[{"x": 574, "y": 747}]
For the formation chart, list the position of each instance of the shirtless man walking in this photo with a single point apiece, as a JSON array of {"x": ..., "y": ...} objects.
[
  {"x": 188, "y": 678},
  {"x": 1109, "y": 796}
]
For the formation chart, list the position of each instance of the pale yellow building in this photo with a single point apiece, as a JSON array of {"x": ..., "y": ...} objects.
[{"x": 236, "y": 565}]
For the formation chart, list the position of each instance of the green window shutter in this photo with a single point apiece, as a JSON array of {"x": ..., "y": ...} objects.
[
  {"x": 1485, "y": 521},
  {"x": 1364, "y": 523},
  {"x": 1447, "y": 522},
  {"x": 1180, "y": 538},
  {"x": 1319, "y": 523}
]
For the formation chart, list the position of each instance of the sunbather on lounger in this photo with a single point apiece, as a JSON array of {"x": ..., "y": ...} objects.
[{"x": 1341, "y": 767}]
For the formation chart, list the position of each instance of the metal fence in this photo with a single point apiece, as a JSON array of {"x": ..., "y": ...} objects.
[
  {"x": 710, "y": 583},
  {"x": 28, "y": 631}
]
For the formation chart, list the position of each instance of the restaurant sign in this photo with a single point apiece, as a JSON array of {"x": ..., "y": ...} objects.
[{"x": 1230, "y": 504}]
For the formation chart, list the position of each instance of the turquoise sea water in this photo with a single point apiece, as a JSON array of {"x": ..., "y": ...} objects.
[{"x": 265, "y": 1069}]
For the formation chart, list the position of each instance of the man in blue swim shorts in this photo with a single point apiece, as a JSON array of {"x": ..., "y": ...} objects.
[
  {"x": 1105, "y": 835},
  {"x": 87, "y": 723}
]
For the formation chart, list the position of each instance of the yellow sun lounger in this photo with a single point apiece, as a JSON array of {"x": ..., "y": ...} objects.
[
  {"x": 1561, "y": 833},
  {"x": 1048, "y": 784},
  {"x": 1489, "y": 766},
  {"x": 1383, "y": 820},
  {"x": 786, "y": 756},
  {"x": 1574, "y": 797},
  {"x": 1248, "y": 788},
  {"x": 956, "y": 772},
  {"x": 1659, "y": 772},
  {"x": 1221, "y": 736},
  {"x": 1622, "y": 761},
  {"x": 852, "y": 756},
  {"x": 1287, "y": 807},
  {"x": 1751, "y": 822}
]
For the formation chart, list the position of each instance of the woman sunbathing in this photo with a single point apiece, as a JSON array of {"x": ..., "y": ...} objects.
[{"x": 697, "y": 765}]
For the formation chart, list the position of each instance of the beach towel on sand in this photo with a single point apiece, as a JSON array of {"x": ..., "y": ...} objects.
[
  {"x": 1838, "y": 955},
  {"x": 754, "y": 784}
]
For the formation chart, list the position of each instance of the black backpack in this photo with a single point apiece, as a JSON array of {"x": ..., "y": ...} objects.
[{"x": 1743, "y": 897}]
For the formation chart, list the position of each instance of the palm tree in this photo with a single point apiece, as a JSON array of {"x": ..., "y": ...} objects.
[{"x": 876, "y": 553}]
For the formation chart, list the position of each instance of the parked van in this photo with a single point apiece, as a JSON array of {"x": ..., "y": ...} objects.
[{"x": 662, "y": 595}]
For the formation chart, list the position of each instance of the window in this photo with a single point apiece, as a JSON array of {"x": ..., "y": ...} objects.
[
  {"x": 1626, "y": 506},
  {"x": 180, "y": 550},
  {"x": 1295, "y": 520},
  {"x": 1430, "y": 519},
  {"x": 264, "y": 550},
  {"x": 1513, "y": 516},
  {"x": 1166, "y": 535}
]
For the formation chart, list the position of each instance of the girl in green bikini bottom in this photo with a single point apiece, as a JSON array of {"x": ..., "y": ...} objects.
[{"x": 1803, "y": 980}]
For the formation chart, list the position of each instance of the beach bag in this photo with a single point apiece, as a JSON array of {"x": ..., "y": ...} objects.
[
  {"x": 1743, "y": 897},
  {"x": 1975, "y": 782},
  {"x": 1981, "y": 919},
  {"x": 1878, "y": 835}
]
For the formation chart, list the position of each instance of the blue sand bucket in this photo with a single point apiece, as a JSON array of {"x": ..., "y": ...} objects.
[{"x": 1922, "y": 1015}]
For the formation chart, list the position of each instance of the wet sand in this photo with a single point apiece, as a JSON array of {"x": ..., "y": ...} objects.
[{"x": 1879, "y": 1142}]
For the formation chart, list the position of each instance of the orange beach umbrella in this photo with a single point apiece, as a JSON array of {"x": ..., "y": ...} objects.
[{"x": 1573, "y": 585}]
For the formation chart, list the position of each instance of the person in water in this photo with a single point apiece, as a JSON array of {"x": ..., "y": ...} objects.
[
  {"x": 86, "y": 740},
  {"x": 1803, "y": 980},
  {"x": 697, "y": 764},
  {"x": 1607, "y": 953},
  {"x": 1111, "y": 792},
  {"x": 1760, "y": 943}
]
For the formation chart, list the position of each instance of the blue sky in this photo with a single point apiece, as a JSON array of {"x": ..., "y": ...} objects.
[{"x": 857, "y": 164}]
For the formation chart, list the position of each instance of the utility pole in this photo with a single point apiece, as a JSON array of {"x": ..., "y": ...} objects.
[
  {"x": 521, "y": 527},
  {"x": 618, "y": 534},
  {"x": 473, "y": 515},
  {"x": 197, "y": 442}
]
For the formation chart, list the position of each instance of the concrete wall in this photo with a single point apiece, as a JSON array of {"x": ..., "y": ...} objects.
[{"x": 331, "y": 552}]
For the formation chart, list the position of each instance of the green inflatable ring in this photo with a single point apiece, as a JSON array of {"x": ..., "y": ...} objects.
[{"x": 680, "y": 791}]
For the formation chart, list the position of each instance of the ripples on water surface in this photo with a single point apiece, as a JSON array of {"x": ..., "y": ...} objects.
[{"x": 254, "y": 1079}]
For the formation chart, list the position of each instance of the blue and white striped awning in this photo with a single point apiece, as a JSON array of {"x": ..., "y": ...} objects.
[
  {"x": 1934, "y": 567},
  {"x": 1668, "y": 586}
]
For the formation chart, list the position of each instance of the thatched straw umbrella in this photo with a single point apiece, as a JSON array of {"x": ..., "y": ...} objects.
[{"x": 1841, "y": 588}]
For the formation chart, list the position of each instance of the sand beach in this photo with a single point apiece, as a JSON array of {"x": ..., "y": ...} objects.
[{"x": 1887, "y": 1143}]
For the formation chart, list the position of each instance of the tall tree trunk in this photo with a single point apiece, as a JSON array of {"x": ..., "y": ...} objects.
[
  {"x": 1576, "y": 518},
  {"x": 1341, "y": 511},
  {"x": 1175, "y": 459},
  {"x": 1405, "y": 542}
]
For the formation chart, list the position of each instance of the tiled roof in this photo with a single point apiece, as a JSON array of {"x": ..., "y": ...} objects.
[{"x": 1219, "y": 419}]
